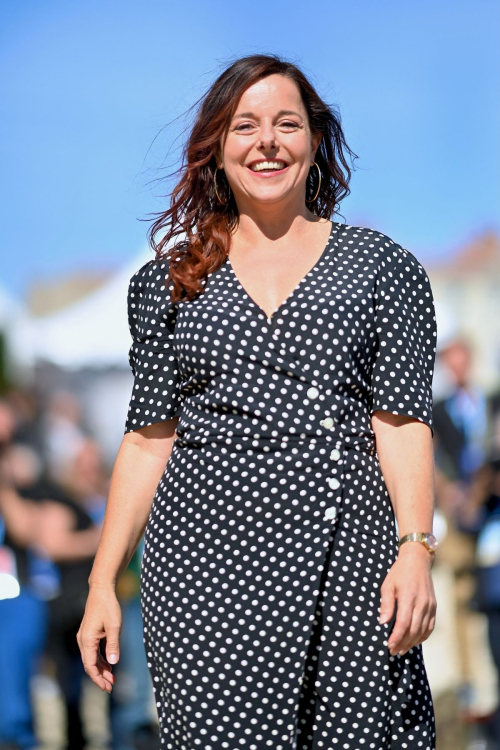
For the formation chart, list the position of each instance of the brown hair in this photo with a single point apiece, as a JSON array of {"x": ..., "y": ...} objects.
[{"x": 195, "y": 209}]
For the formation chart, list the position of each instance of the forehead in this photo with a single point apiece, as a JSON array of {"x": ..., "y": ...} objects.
[{"x": 270, "y": 95}]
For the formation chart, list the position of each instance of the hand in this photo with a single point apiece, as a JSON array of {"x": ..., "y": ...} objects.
[
  {"x": 102, "y": 619},
  {"x": 409, "y": 581}
]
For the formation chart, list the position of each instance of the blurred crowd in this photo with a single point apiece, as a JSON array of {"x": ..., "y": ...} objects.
[
  {"x": 53, "y": 489},
  {"x": 467, "y": 454}
]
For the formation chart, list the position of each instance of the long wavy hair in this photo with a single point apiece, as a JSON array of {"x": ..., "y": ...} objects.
[{"x": 195, "y": 210}]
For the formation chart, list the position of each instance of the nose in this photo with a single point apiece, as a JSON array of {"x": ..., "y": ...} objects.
[{"x": 266, "y": 135}]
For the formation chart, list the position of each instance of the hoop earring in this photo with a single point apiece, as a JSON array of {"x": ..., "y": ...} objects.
[
  {"x": 216, "y": 191},
  {"x": 310, "y": 200}
]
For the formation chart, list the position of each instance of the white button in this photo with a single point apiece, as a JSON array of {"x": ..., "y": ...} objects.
[
  {"x": 328, "y": 422},
  {"x": 330, "y": 513},
  {"x": 334, "y": 483},
  {"x": 335, "y": 454},
  {"x": 312, "y": 393}
]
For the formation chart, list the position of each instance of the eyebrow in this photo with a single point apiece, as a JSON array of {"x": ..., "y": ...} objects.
[{"x": 281, "y": 112}]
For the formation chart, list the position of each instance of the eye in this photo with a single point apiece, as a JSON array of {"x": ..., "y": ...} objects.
[{"x": 285, "y": 123}]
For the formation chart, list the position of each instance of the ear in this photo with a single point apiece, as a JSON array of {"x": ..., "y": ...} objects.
[
  {"x": 315, "y": 141},
  {"x": 218, "y": 153},
  {"x": 217, "y": 156}
]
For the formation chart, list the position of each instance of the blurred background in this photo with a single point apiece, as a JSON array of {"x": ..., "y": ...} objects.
[{"x": 95, "y": 99}]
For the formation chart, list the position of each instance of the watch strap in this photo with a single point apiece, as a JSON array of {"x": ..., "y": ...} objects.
[{"x": 416, "y": 536}]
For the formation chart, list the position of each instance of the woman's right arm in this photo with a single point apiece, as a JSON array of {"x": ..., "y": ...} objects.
[{"x": 138, "y": 468}]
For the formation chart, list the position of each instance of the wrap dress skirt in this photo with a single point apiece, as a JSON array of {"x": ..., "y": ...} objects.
[{"x": 271, "y": 530}]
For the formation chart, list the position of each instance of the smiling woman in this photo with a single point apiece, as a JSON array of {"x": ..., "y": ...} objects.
[{"x": 280, "y": 423}]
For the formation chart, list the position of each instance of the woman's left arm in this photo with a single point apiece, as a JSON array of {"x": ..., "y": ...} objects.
[{"x": 406, "y": 455}]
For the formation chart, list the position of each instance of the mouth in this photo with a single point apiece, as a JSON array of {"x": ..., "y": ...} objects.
[{"x": 268, "y": 167}]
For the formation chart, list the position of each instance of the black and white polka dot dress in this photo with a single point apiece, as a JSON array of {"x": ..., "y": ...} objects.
[{"x": 271, "y": 530}]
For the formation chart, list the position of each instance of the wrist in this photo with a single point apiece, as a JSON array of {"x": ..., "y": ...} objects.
[
  {"x": 414, "y": 549},
  {"x": 106, "y": 585},
  {"x": 414, "y": 546}
]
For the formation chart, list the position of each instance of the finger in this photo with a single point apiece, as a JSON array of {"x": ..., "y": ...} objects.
[
  {"x": 415, "y": 631},
  {"x": 104, "y": 661},
  {"x": 96, "y": 677},
  {"x": 90, "y": 660},
  {"x": 401, "y": 626},
  {"x": 417, "y": 626},
  {"x": 427, "y": 624},
  {"x": 428, "y": 628},
  {"x": 106, "y": 670},
  {"x": 432, "y": 624},
  {"x": 387, "y": 601},
  {"x": 113, "y": 644}
]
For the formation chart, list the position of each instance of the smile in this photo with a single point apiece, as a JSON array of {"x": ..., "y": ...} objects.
[{"x": 267, "y": 168}]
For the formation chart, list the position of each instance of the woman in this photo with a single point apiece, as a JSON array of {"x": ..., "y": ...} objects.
[{"x": 284, "y": 372}]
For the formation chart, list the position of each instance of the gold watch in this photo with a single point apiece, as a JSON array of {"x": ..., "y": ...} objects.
[{"x": 429, "y": 540}]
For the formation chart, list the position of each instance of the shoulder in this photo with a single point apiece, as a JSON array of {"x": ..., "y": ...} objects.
[
  {"x": 149, "y": 283},
  {"x": 148, "y": 296},
  {"x": 382, "y": 248},
  {"x": 390, "y": 263},
  {"x": 151, "y": 275}
]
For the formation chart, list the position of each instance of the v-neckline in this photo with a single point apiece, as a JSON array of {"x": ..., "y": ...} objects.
[{"x": 294, "y": 290}]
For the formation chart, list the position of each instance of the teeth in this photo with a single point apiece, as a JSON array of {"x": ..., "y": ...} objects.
[{"x": 266, "y": 165}]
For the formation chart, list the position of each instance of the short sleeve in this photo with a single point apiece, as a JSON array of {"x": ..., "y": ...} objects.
[
  {"x": 403, "y": 365},
  {"x": 156, "y": 392}
]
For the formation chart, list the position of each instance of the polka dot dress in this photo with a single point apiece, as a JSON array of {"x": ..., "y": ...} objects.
[{"x": 271, "y": 530}]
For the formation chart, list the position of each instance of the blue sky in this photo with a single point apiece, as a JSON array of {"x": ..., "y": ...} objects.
[{"x": 86, "y": 87}]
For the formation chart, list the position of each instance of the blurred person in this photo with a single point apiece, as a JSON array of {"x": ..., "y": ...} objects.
[
  {"x": 487, "y": 593},
  {"x": 462, "y": 428},
  {"x": 83, "y": 488},
  {"x": 23, "y": 628},
  {"x": 487, "y": 502},
  {"x": 43, "y": 526},
  {"x": 23, "y": 608}
]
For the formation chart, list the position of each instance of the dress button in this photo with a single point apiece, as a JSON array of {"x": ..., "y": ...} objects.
[
  {"x": 330, "y": 513},
  {"x": 335, "y": 454},
  {"x": 334, "y": 483},
  {"x": 312, "y": 393},
  {"x": 327, "y": 422}
]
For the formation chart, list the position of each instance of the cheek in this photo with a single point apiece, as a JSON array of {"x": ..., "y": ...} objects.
[
  {"x": 236, "y": 149},
  {"x": 299, "y": 146}
]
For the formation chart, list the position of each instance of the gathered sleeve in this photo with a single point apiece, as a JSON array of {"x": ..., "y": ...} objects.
[
  {"x": 156, "y": 392},
  {"x": 403, "y": 365}
]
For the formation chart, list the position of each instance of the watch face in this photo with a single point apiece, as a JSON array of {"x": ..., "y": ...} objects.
[{"x": 432, "y": 541}]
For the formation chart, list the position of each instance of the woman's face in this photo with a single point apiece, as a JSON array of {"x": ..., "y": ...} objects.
[{"x": 270, "y": 123}]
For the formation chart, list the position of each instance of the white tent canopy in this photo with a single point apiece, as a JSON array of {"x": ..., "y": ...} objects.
[{"x": 94, "y": 331}]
